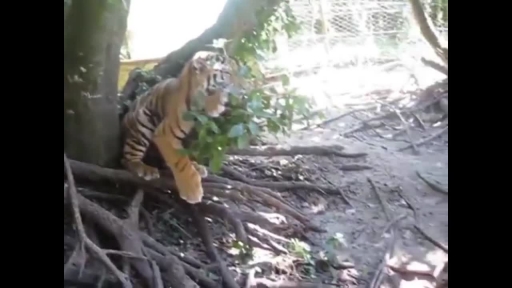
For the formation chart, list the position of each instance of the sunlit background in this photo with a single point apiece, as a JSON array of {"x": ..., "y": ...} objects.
[{"x": 157, "y": 27}]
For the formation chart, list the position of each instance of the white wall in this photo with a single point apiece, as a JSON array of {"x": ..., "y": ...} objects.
[{"x": 158, "y": 27}]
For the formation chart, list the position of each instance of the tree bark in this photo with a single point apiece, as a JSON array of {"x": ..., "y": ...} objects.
[{"x": 93, "y": 35}]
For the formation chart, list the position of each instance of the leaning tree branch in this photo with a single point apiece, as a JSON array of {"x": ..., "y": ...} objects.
[{"x": 427, "y": 31}]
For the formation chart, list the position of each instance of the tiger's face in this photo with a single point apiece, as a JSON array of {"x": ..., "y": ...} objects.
[{"x": 215, "y": 78}]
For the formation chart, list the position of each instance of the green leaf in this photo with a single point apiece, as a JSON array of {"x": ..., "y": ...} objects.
[
  {"x": 253, "y": 128},
  {"x": 189, "y": 116},
  {"x": 242, "y": 141},
  {"x": 214, "y": 128},
  {"x": 285, "y": 80},
  {"x": 203, "y": 119},
  {"x": 216, "y": 162},
  {"x": 236, "y": 131}
]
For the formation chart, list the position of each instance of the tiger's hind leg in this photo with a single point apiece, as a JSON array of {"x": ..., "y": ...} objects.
[
  {"x": 133, "y": 152},
  {"x": 187, "y": 173}
]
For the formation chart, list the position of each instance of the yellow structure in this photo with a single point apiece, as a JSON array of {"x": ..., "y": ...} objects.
[{"x": 128, "y": 65}]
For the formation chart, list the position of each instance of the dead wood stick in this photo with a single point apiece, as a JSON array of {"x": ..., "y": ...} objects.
[
  {"x": 74, "y": 197},
  {"x": 431, "y": 239},
  {"x": 432, "y": 185},
  {"x": 269, "y": 151},
  {"x": 385, "y": 208},
  {"x": 379, "y": 274},
  {"x": 336, "y": 118},
  {"x": 204, "y": 231},
  {"x": 406, "y": 127},
  {"x": 402, "y": 270},
  {"x": 369, "y": 123},
  {"x": 426, "y": 140}
]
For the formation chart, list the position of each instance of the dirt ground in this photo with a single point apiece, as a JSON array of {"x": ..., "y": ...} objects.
[{"x": 394, "y": 174}]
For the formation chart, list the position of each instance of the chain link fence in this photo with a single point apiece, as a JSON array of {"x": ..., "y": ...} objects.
[{"x": 347, "y": 45}]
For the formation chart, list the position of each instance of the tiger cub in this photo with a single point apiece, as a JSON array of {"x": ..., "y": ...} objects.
[{"x": 157, "y": 116}]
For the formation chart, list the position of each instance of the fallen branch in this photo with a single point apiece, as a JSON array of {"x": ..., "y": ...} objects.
[
  {"x": 379, "y": 274},
  {"x": 431, "y": 239},
  {"x": 432, "y": 185},
  {"x": 425, "y": 140},
  {"x": 407, "y": 271},
  {"x": 372, "y": 123}
]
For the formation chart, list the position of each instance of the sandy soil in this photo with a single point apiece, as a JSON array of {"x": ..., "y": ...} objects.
[{"x": 394, "y": 174}]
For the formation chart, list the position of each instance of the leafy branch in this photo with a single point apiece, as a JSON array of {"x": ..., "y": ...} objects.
[{"x": 257, "y": 108}]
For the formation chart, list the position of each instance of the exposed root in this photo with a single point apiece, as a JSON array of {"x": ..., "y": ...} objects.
[
  {"x": 157, "y": 265},
  {"x": 211, "y": 251},
  {"x": 84, "y": 240},
  {"x": 267, "y": 196},
  {"x": 280, "y": 186},
  {"x": 223, "y": 212},
  {"x": 269, "y": 151}
]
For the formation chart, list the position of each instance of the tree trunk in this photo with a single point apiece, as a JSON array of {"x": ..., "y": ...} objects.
[
  {"x": 427, "y": 31},
  {"x": 93, "y": 35}
]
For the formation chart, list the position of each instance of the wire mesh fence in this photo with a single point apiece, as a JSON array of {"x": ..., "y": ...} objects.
[{"x": 350, "y": 39}]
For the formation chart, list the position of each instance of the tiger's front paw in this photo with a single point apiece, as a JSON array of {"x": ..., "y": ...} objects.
[
  {"x": 203, "y": 172},
  {"x": 190, "y": 189},
  {"x": 144, "y": 171}
]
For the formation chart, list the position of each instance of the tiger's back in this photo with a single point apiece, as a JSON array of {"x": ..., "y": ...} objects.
[{"x": 156, "y": 117}]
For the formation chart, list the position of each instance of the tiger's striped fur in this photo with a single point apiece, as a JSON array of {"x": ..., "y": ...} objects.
[{"x": 157, "y": 116}]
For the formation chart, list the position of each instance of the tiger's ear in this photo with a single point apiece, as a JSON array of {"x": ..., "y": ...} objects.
[{"x": 199, "y": 65}]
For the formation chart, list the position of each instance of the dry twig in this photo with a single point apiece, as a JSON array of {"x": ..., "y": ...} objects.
[
  {"x": 432, "y": 185},
  {"x": 426, "y": 140}
]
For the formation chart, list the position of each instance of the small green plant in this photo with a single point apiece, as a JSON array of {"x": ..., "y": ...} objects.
[
  {"x": 300, "y": 250},
  {"x": 257, "y": 110},
  {"x": 244, "y": 252}
]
